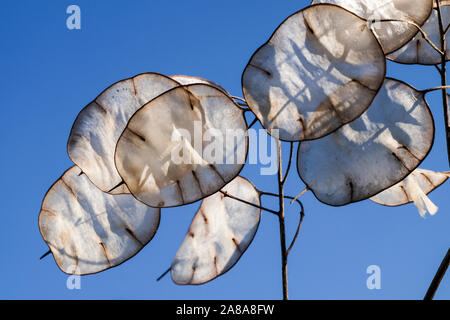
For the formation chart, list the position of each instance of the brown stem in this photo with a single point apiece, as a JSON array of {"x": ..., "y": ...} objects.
[
  {"x": 300, "y": 222},
  {"x": 435, "y": 89},
  {"x": 247, "y": 202},
  {"x": 291, "y": 150},
  {"x": 282, "y": 223},
  {"x": 438, "y": 277},
  {"x": 443, "y": 72}
]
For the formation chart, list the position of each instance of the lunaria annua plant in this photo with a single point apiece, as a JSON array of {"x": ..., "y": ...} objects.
[{"x": 151, "y": 141}]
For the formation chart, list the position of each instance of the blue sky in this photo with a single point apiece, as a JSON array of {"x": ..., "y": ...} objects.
[{"x": 49, "y": 73}]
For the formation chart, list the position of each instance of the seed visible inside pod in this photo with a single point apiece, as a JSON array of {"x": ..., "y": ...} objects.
[
  {"x": 97, "y": 129},
  {"x": 88, "y": 230},
  {"x": 320, "y": 70},
  {"x": 220, "y": 232},
  {"x": 372, "y": 153},
  {"x": 182, "y": 146}
]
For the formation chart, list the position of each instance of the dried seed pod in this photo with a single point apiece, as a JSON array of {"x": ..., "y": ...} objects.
[
  {"x": 320, "y": 70},
  {"x": 97, "y": 129},
  {"x": 414, "y": 188},
  {"x": 372, "y": 153},
  {"x": 392, "y": 35},
  {"x": 182, "y": 146},
  {"x": 88, "y": 230},
  {"x": 418, "y": 50},
  {"x": 187, "y": 80},
  {"x": 220, "y": 232}
]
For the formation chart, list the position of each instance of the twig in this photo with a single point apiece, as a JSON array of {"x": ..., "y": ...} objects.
[
  {"x": 289, "y": 163},
  {"x": 164, "y": 274},
  {"x": 437, "y": 67},
  {"x": 302, "y": 215},
  {"x": 45, "y": 254},
  {"x": 300, "y": 194},
  {"x": 438, "y": 277},
  {"x": 282, "y": 223},
  {"x": 435, "y": 89},
  {"x": 249, "y": 203},
  {"x": 285, "y": 196},
  {"x": 443, "y": 72}
]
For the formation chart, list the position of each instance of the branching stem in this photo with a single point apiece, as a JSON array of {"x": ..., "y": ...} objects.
[
  {"x": 436, "y": 88},
  {"x": 281, "y": 220},
  {"x": 443, "y": 73},
  {"x": 438, "y": 277},
  {"x": 300, "y": 222},
  {"x": 249, "y": 203}
]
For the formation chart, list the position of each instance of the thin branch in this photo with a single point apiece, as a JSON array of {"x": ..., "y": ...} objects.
[
  {"x": 443, "y": 73},
  {"x": 289, "y": 164},
  {"x": 300, "y": 194},
  {"x": 446, "y": 29},
  {"x": 302, "y": 215},
  {"x": 249, "y": 203},
  {"x": 45, "y": 254},
  {"x": 282, "y": 223},
  {"x": 435, "y": 89},
  {"x": 437, "y": 67},
  {"x": 164, "y": 274},
  {"x": 438, "y": 277},
  {"x": 253, "y": 123},
  {"x": 285, "y": 196},
  {"x": 424, "y": 34}
]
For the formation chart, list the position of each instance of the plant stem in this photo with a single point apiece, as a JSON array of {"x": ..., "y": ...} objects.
[
  {"x": 443, "y": 72},
  {"x": 297, "y": 232},
  {"x": 282, "y": 223},
  {"x": 225, "y": 194},
  {"x": 438, "y": 277}
]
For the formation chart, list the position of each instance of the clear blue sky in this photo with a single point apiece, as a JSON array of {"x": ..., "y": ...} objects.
[{"x": 48, "y": 73}]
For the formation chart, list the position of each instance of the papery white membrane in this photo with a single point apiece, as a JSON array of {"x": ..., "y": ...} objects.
[
  {"x": 320, "y": 70},
  {"x": 88, "y": 230},
  {"x": 392, "y": 35},
  {"x": 418, "y": 50},
  {"x": 97, "y": 129},
  {"x": 372, "y": 153},
  {"x": 414, "y": 188},
  {"x": 147, "y": 152},
  {"x": 220, "y": 232}
]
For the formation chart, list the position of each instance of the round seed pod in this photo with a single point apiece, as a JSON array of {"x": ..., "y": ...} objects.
[
  {"x": 320, "y": 70},
  {"x": 182, "y": 146},
  {"x": 89, "y": 231},
  {"x": 221, "y": 231},
  {"x": 97, "y": 128},
  {"x": 372, "y": 153},
  {"x": 418, "y": 50},
  {"x": 392, "y": 35}
]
